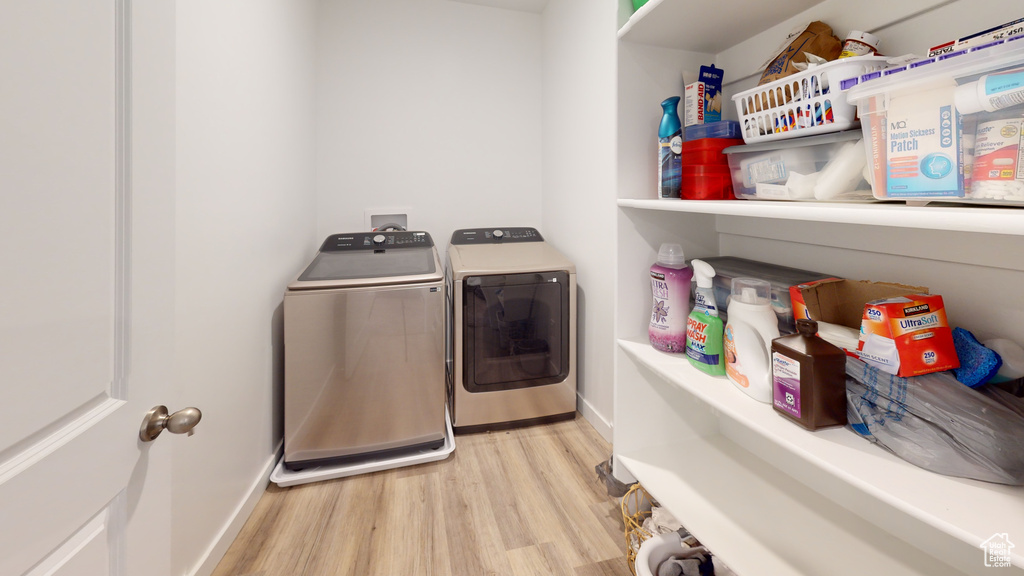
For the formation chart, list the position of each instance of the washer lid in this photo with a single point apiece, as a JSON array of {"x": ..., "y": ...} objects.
[{"x": 369, "y": 258}]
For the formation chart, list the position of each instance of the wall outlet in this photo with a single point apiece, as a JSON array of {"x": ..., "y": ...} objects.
[{"x": 378, "y": 217}]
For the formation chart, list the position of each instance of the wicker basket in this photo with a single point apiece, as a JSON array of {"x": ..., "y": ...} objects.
[{"x": 636, "y": 507}]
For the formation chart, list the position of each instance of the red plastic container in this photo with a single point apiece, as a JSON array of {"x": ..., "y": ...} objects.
[
  {"x": 707, "y": 151},
  {"x": 712, "y": 182}
]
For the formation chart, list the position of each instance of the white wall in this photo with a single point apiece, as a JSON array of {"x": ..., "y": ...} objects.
[
  {"x": 579, "y": 179},
  {"x": 429, "y": 105},
  {"x": 245, "y": 226}
]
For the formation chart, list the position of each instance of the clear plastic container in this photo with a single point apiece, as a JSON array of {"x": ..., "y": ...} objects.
[
  {"x": 721, "y": 129},
  {"x": 780, "y": 170},
  {"x": 781, "y": 278},
  {"x": 929, "y": 130}
]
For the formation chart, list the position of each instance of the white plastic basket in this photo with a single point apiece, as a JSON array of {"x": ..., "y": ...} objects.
[{"x": 802, "y": 104}]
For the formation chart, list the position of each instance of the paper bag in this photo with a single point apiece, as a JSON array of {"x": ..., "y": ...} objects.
[{"x": 815, "y": 38}]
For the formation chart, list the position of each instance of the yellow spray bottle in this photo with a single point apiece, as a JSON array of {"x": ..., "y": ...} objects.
[{"x": 704, "y": 347}]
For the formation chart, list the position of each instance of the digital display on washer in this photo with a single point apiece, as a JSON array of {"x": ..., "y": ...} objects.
[
  {"x": 496, "y": 236},
  {"x": 376, "y": 241}
]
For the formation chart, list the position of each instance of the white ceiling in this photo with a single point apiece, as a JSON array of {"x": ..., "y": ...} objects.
[{"x": 536, "y": 6}]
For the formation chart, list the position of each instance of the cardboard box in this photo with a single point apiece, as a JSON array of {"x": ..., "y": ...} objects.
[
  {"x": 693, "y": 104},
  {"x": 1001, "y": 32},
  {"x": 903, "y": 329},
  {"x": 842, "y": 301}
]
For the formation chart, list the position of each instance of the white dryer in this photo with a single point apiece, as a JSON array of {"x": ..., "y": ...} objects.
[{"x": 512, "y": 316}]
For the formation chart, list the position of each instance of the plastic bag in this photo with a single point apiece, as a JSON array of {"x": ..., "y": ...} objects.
[
  {"x": 814, "y": 38},
  {"x": 937, "y": 423}
]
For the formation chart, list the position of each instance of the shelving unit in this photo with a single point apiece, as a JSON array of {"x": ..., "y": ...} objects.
[
  {"x": 840, "y": 474},
  {"x": 694, "y": 26},
  {"x": 765, "y": 495},
  {"x": 950, "y": 218}
]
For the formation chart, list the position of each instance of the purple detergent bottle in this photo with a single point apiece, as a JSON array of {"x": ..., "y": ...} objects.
[{"x": 670, "y": 286}]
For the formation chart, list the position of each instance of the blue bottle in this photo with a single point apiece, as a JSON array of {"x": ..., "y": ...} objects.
[{"x": 670, "y": 149}]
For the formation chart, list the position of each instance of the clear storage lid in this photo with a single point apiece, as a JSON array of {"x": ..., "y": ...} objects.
[
  {"x": 373, "y": 257},
  {"x": 368, "y": 264}
]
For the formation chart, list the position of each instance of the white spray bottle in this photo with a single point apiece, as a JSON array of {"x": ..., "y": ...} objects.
[{"x": 748, "y": 338}]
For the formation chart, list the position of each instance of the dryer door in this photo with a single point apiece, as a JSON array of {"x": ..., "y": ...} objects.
[{"x": 516, "y": 329}]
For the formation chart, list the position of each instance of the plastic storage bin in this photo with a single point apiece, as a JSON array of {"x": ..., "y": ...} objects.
[
  {"x": 802, "y": 104},
  {"x": 722, "y": 129},
  {"x": 932, "y": 133},
  {"x": 780, "y": 277},
  {"x": 706, "y": 174},
  {"x": 707, "y": 182},
  {"x": 793, "y": 169},
  {"x": 707, "y": 150}
]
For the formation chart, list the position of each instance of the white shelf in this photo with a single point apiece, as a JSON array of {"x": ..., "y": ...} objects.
[
  {"x": 707, "y": 28},
  {"x": 984, "y": 219},
  {"x": 948, "y": 518}
]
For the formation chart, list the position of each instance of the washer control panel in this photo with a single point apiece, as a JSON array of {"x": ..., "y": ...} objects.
[
  {"x": 496, "y": 236},
  {"x": 376, "y": 241}
]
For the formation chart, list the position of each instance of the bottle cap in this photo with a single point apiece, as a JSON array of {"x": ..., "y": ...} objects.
[
  {"x": 806, "y": 327},
  {"x": 751, "y": 291},
  {"x": 966, "y": 100},
  {"x": 671, "y": 256},
  {"x": 869, "y": 39}
]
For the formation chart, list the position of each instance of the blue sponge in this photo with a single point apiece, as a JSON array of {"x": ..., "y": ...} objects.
[{"x": 978, "y": 364}]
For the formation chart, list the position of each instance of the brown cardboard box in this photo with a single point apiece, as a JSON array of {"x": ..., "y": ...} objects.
[{"x": 842, "y": 301}]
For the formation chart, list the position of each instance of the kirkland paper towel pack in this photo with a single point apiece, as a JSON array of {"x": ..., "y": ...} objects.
[{"x": 907, "y": 336}]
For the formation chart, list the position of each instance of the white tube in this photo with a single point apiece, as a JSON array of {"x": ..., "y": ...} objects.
[
  {"x": 991, "y": 92},
  {"x": 843, "y": 172}
]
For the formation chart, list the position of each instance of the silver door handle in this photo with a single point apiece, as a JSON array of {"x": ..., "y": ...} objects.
[{"x": 181, "y": 422}]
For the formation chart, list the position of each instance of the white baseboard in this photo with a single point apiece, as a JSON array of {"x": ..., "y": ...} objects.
[
  {"x": 599, "y": 422},
  {"x": 219, "y": 547}
]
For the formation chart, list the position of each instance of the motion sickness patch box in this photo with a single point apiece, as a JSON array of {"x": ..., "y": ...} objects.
[{"x": 918, "y": 152}]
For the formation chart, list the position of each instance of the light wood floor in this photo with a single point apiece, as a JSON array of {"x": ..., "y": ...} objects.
[{"x": 518, "y": 502}]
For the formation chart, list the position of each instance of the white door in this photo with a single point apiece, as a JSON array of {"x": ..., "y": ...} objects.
[{"x": 86, "y": 269}]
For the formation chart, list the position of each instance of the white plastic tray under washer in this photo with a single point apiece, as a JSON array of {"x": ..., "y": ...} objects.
[
  {"x": 284, "y": 477},
  {"x": 802, "y": 104}
]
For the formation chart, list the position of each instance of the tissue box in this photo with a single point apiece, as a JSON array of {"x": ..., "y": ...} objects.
[{"x": 907, "y": 336}]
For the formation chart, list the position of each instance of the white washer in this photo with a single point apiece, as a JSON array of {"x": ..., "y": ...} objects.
[{"x": 512, "y": 304}]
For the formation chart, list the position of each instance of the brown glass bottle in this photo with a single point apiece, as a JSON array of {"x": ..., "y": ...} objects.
[{"x": 809, "y": 378}]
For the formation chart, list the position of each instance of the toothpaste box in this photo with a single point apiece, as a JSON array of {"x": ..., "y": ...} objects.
[
  {"x": 1001, "y": 32},
  {"x": 907, "y": 336}
]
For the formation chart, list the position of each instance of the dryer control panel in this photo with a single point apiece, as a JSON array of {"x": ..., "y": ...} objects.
[
  {"x": 376, "y": 241},
  {"x": 496, "y": 236}
]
